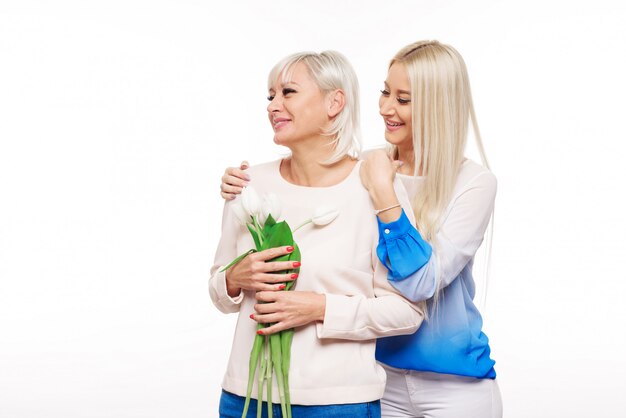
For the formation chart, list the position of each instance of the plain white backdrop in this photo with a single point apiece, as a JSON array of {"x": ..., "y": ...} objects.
[{"x": 117, "y": 119}]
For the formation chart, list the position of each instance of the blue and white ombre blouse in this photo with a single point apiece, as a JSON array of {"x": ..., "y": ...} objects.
[{"x": 451, "y": 339}]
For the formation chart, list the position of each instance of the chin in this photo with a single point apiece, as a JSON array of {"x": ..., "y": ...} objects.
[{"x": 392, "y": 139}]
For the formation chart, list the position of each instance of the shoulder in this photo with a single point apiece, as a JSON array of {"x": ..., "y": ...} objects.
[
  {"x": 474, "y": 175},
  {"x": 367, "y": 152},
  {"x": 264, "y": 169}
]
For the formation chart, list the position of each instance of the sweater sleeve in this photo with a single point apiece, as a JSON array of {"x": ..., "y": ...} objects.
[
  {"x": 461, "y": 233},
  {"x": 361, "y": 318},
  {"x": 226, "y": 252}
]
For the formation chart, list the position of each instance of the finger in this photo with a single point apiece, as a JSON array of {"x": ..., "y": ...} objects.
[
  {"x": 278, "y": 327},
  {"x": 228, "y": 196},
  {"x": 226, "y": 188},
  {"x": 234, "y": 180},
  {"x": 265, "y": 308},
  {"x": 268, "y": 287},
  {"x": 273, "y": 253},
  {"x": 397, "y": 164},
  {"x": 278, "y": 267},
  {"x": 266, "y": 297},
  {"x": 244, "y": 164},
  {"x": 265, "y": 319},
  {"x": 276, "y": 278},
  {"x": 241, "y": 174}
]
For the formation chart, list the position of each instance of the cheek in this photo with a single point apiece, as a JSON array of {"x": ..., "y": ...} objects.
[{"x": 406, "y": 116}]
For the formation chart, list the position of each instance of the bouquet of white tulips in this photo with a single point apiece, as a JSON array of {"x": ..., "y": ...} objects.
[{"x": 271, "y": 355}]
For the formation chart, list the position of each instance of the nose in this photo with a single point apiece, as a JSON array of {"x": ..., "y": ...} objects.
[
  {"x": 275, "y": 104},
  {"x": 385, "y": 105}
]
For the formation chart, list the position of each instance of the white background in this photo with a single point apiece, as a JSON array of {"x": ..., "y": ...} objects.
[{"x": 118, "y": 117}]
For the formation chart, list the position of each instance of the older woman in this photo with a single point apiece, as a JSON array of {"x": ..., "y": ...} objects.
[{"x": 342, "y": 300}]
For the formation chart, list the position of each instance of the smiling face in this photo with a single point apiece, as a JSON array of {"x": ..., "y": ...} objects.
[
  {"x": 298, "y": 108},
  {"x": 395, "y": 107}
]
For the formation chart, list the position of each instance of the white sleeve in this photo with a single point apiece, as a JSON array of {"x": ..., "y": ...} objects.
[
  {"x": 386, "y": 314},
  {"x": 225, "y": 253},
  {"x": 461, "y": 233}
]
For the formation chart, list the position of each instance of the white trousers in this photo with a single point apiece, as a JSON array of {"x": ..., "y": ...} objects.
[{"x": 411, "y": 394}]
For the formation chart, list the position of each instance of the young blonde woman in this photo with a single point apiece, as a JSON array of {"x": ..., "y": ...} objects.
[
  {"x": 342, "y": 300},
  {"x": 443, "y": 370}
]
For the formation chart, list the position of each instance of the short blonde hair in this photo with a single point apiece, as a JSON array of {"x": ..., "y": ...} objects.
[{"x": 331, "y": 71}]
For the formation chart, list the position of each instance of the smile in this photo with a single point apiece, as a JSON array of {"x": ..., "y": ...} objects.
[
  {"x": 280, "y": 122},
  {"x": 393, "y": 126}
]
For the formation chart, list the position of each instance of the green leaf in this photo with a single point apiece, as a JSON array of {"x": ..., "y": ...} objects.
[
  {"x": 255, "y": 236},
  {"x": 269, "y": 223},
  {"x": 238, "y": 259},
  {"x": 280, "y": 235}
]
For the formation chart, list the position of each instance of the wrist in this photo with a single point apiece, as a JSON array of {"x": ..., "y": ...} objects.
[
  {"x": 232, "y": 289},
  {"x": 390, "y": 215},
  {"x": 382, "y": 198},
  {"x": 321, "y": 312}
]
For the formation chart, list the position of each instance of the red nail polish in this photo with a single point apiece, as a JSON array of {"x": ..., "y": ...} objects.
[
  {"x": 251, "y": 316},
  {"x": 259, "y": 332},
  {"x": 294, "y": 276},
  {"x": 296, "y": 264},
  {"x": 289, "y": 249},
  {"x": 282, "y": 287}
]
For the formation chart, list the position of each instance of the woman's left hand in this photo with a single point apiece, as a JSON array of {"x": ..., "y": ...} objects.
[{"x": 288, "y": 309}]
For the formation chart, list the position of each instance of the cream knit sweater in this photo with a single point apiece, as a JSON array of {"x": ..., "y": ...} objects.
[{"x": 331, "y": 362}]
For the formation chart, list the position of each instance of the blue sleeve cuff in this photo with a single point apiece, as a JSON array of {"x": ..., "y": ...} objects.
[{"x": 401, "y": 248}]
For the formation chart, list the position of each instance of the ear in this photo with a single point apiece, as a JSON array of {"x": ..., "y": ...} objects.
[{"x": 336, "y": 102}]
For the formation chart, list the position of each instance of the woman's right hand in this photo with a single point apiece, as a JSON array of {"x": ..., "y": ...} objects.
[
  {"x": 234, "y": 180},
  {"x": 256, "y": 272}
]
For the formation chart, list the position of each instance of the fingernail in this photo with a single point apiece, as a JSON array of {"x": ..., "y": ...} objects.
[
  {"x": 289, "y": 249},
  {"x": 294, "y": 276},
  {"x": 282, "y": 287},
  {"x": 296, "y": 264},
  {"x": 247, "y": 177},
  {"x": 259, "y": 332},
  {"x": 251, "y": 316}
]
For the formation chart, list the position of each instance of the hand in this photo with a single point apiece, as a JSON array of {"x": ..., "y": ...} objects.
[
  {"x": 377, "y": 174},
  {"x": 256, "y": 272},
  {"x": 378, "y": 171},
  {"x": 288, "y": 309},
  {"x": 233, "y": 181}
]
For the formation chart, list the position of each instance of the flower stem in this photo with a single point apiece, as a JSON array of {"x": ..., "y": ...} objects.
[{"x": 301, "y": 225}]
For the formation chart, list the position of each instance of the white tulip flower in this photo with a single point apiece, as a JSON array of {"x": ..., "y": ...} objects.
[
  {"x": 240, "y": 214},
  {"x": 250, "y": 201},
  {"x": 324, "y": 215},
  {"x": 270, "y": 206}
]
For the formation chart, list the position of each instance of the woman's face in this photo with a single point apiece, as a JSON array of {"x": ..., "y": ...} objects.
[
  {"x": 297, "y": 108},
  {"x": 395, "y": 107}
]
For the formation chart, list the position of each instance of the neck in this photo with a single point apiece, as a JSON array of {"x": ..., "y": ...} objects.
[
  {"x": 407, "y": 156},
  {"x": 305, "y": 167}
]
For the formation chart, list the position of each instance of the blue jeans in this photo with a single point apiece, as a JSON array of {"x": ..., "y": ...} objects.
[{"x": 231, "y": 406}]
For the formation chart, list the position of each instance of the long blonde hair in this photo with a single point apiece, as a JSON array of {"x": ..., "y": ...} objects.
[{"x": 442, "y": 107}]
